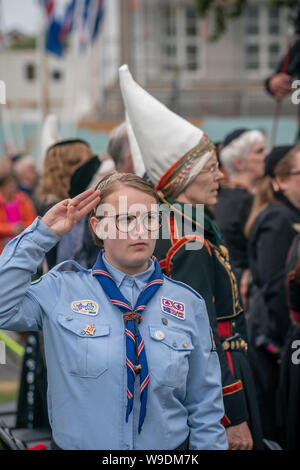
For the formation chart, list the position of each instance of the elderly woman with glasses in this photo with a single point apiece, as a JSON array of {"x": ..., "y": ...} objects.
[
  {"x": 181, "y": 163},
  {"x": 130, "y": 356}
]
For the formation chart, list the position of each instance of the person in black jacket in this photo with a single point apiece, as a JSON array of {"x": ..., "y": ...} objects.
[
  {"x": 242, "y": 155},
  {"x": 289, "y": 385},
  {"x": 270, "y": 231},
  {"x": 280, "y": 84}
]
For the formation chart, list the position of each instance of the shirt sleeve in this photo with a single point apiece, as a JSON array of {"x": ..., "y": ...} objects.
[
  {"x": 20, "y": 309},
  {"x": 204, "y": 390}
]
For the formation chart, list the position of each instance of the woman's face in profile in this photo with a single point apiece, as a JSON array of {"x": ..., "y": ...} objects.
[
  {"x": 126, "y": 217},
  {"x": 290, "y": 185},
  {"x": 204, "y": 188}
]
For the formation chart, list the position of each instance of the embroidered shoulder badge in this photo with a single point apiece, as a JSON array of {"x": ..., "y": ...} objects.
[
  {"x": 172, "y": 307},
  {"x": 85, "y": 307}
]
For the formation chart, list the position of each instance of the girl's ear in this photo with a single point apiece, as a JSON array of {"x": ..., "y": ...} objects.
[{"x": 94, "y": 222}]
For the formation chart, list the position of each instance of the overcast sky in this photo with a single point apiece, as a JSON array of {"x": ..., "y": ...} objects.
[{"x": 24, "y": 15}]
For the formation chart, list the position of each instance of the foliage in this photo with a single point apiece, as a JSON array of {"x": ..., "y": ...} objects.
[
  {"x": 226, "y": 10},
  {"x": 26, "y": 42},
  {"x": 222, "y": 10}
]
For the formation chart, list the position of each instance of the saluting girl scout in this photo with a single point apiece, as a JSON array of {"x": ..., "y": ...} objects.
[{"x": 130, "y": 357}]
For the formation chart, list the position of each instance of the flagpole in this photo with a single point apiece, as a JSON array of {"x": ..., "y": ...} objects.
[
  {"x": 67, "y": 113},
  {"x": 90, "y": 87},
  {"x": 8, "y": 134},
  {"x": 43, "y": 83}
]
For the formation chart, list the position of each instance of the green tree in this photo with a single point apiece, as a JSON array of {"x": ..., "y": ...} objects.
[{"x": 226, "y": 10}]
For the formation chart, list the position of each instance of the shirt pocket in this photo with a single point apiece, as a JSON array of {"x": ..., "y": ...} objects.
[
  {"x": 85, "y": 355},
  {"x": 169, "y": 352}
]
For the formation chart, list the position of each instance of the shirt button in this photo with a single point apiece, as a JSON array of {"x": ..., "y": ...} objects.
[{"x": 159, "y": 335}]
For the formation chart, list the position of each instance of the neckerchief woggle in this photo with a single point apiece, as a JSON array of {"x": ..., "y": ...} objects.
[{"x": 135, "y": 347}]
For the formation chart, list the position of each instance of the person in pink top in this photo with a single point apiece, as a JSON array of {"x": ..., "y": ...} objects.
[{"x": 16, "y": 209}]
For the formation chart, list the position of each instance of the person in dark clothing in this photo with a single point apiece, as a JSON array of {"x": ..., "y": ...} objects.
[
  {"x": 270, "y": 232},
  {"x": 242, "y": 155},
  {"x": 280, "y": 84},
  {"x": 289, "y": 384},
  {"x": 181, "y": 162}
]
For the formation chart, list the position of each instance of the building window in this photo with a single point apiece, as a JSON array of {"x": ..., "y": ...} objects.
[
  {"x": 252, "y": 20},
  {"x": 56, "y": 75},
  {"x": 30, "y": 72},
  {"x": 273, "y": 20},
  {"x": 172, "y": 44},
  {"x": 263, "y": 41},
  {"x": 252, "y": 55}
]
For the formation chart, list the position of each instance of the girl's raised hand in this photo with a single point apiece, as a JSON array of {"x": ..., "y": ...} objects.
[{"x": 62, "y": 217}]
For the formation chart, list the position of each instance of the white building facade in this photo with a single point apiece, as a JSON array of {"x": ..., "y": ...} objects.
[{"x": 166, "y": 46}]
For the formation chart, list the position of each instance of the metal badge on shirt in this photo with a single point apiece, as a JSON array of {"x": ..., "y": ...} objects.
[
  {"x": 85, "y": 307},
  {"x": 172, "y": 307}
]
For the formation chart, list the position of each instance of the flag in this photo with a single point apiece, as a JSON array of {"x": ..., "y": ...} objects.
[
  {"x": 68, "y": 21},
  {"x": 53, "y": 27},
  {"x": 99, "y": 18},
  {"x": 93, "y": 13},
  {"x": 57, "y": 27}
]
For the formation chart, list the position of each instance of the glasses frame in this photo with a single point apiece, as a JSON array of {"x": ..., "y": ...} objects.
[
  {"x": 141, "y": 217},
  {"x": 212, "y": 170}
]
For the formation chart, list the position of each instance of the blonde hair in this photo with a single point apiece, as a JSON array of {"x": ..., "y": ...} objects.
[
  {"x": 61, "y": 161},
  {"x": 113, "y": 182},
  {"x": 265, "y": 195}
]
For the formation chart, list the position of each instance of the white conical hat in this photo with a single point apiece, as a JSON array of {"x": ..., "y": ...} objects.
[
  {"x": 137, "y": 159},
  {"x": 50, "y": 133},
  {"x": 162, "y": 136}
]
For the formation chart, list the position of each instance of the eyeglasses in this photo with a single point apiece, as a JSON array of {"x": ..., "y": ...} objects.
[
  {"x": 212, "y": 170},
  {"x": 126, "y": 223}
]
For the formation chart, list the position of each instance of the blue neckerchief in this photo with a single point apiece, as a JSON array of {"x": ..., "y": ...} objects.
[{"x": 135, "y": 347}]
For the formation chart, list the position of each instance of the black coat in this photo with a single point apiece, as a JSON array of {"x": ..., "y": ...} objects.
[
  {"x": 289, "y": 388},
  {"x": 231, "y": 214},
  {"x": 208, "y": 271},
  {"x": 270, "y": 239}
]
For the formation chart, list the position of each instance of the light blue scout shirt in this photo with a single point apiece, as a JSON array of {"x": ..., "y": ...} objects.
[{"x": 87, "y": 377}]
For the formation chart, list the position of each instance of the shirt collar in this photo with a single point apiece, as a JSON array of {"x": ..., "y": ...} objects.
[{"x": 140, "y": 279}]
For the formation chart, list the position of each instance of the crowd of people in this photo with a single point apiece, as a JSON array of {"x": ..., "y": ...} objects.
[{"x": 225, "y": 376}]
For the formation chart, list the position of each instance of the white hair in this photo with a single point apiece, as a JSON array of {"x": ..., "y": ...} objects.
[
  {"x": 239, "y": 148},
  {"x": 118, "y": 144},
  {"x": 22, "y": 163}
]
